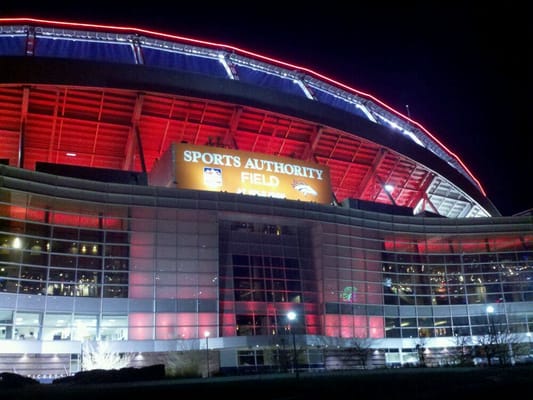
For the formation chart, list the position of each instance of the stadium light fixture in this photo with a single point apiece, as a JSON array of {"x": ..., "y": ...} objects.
[
  {"x": 206, "y": 334},
  {"x": 291, "y": 316}
]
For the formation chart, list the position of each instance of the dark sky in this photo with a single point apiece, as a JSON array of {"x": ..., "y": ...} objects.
[{"x": 462, "y": 71}]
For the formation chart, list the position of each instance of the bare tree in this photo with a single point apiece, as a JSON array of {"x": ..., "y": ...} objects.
[
  {"x": 188, "y": 361},
  {"x": 462, "y": 353},
  {"x": 281, "y": 353},
  {"x": 508, "y": 344},
  {"x": 421, "y": 350},
  {"x": 486, "y": 344},
  {"x": 499, "y": 344},
  {"x": 185, "y": 363},
  {"x": 520, "y": 348},
  {"x": 99, "y": 355},
  {"x": 361, "y": 350}
]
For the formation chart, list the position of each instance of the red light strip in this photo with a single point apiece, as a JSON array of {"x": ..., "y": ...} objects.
[{"x": 255, "y": 56}]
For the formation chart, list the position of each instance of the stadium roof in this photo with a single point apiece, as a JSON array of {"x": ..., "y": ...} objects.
[{"x": 117, "y": 97}]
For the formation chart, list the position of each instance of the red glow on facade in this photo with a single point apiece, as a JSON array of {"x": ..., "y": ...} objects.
[
  {"x": 237, "y": 50},
  {"x": 376, "y": 327},
  {"x": 447, "y": 245},
  {"x": 355, "y": 326}
]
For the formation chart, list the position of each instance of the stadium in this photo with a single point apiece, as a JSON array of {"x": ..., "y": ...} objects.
[{"x": 165, "y": 194}]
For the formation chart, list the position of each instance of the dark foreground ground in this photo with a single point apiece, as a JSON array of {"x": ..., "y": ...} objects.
[{"x": 396, "y": 384}]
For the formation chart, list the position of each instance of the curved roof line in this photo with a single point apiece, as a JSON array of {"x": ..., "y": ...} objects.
[{"x": 257, "y": 56}]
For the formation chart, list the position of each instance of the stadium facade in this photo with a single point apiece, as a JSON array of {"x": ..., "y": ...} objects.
[{"x": 160, "y": 194}]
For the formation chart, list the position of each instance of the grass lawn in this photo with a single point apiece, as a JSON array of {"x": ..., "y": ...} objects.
[{"x": 395, "y": 384}]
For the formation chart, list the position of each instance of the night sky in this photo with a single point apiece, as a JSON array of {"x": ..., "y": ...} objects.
[{"x": 462, "y": 71}]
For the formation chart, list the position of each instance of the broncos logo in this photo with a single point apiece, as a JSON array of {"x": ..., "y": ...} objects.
[{"x": 304, "y": 188}]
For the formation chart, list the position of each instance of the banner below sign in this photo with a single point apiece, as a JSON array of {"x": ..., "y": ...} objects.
[{"x": 235, "y": 171}]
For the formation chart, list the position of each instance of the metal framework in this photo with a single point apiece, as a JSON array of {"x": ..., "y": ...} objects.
[{"x": 103, "y": 123}]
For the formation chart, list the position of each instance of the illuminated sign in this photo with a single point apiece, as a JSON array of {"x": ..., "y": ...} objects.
[
  {"x": 220, "y": 169},
  {"x": 348, "y": 294}
]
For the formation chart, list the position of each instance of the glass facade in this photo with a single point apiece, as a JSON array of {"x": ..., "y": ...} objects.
[
  {"x": 51, "y": 249},
  {"x": 192, "y": 264}
]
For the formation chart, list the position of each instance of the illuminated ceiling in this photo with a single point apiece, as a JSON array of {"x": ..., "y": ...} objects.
[{"x": 126, "y": 128}]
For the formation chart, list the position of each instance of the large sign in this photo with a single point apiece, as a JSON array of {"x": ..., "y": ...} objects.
[{"x": 220, "y": 169}]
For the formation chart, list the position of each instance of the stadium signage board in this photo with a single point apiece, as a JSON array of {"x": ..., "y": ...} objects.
[{"x": 220, "y": 169}]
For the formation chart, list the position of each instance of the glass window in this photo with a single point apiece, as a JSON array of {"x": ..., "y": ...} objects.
[
  {"x": 57, "y": 326},
  {"x": 115, "y": 291},
  {"x": 114, "y": 327},
  {"x": 251, "y": 358},
  {"x": 6, "y": 324},
  {"x": 32, "y": 287},
  {"x": 62, "y": 275},
  {"x": 26, "y": 326},
  {"x": 84, "y": 327}
]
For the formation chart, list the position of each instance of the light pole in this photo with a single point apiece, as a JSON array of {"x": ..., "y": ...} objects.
[
  {"x": 490, "y": 347},
  {"x": 206, "y": 334},
  {"x": 528, "y": 334},
  {"x": 291, "y": 315},
  {"x": 490, "y": 311}
]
